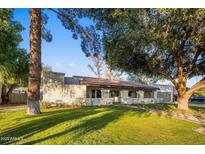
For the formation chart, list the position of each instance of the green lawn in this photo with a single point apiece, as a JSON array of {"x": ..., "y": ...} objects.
[
  {"x": 97, "y": 125},
  {"x": 172, "y": 108}
]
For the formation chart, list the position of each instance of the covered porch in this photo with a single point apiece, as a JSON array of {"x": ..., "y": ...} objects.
[{"x": 97, "y": 95}]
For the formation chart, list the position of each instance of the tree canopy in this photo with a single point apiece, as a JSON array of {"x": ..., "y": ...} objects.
[
  {"x": 14, "y": 61},
  {"x": 9, "y": 37},
  {"x": 153, "y": 38},
  {"x": 16, "y": 72},
  {"x": 165, "y": 43}
]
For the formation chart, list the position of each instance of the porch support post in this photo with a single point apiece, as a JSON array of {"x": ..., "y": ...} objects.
[
  {"x": 172, "y": 94},
  {"x": 141, "y": 94},
  {"x": 155, "y": 96}
]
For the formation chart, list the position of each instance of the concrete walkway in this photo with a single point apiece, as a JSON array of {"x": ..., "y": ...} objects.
[{"x": 197, "y": 105}]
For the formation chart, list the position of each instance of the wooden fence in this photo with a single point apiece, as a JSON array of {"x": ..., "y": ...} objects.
[{"x": 20, "y": 97}]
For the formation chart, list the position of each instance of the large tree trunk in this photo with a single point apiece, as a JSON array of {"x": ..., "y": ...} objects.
[
  {"x": 181, "y": 89},
  {"x": 9, "y": 92},
  {"x": 4, "y": 97},
  {"x": 35, "y": 63},
  {"x": 183, "y": 97},
  {"x": 183, "y": 103}
]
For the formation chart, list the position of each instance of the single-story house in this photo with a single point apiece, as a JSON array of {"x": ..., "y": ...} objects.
[{"x": 92, "y": 91}]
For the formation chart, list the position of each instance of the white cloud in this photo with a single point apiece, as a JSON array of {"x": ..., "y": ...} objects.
[
  {"x": 58, "y": 65},
  {"x": 71, "y": 64}
]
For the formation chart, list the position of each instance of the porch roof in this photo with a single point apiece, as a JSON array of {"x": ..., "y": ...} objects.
[{"x": 101, "y": 82}]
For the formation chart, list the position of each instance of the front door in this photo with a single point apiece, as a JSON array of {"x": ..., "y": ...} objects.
[{"x": 116, "y": 95}]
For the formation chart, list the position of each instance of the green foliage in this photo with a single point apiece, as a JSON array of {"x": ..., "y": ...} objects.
[
  {"x": 13, "y": 60},
  {"x": 97, "y": 125},
  {"x": 45, "y": 33},
  {"x": 144, "y": 79},
  {"x": 91, "y": 43},
  {"x": 5, "y": 15},
  {"x": 9, "y": 36},
  {"x": 201, "y": 92},
  {"x": 15, "y": 72},
  {"x": 153, "y": 41}
]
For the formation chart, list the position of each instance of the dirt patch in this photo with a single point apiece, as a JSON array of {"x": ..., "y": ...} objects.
[
  {"x": 12, "y": 107},
  {"x": 200, "y": 130}
]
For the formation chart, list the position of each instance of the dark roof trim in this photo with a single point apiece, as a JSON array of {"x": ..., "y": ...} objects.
[
  {"x": 122, "y": 87},
  {"x": 101, "y": 82}
]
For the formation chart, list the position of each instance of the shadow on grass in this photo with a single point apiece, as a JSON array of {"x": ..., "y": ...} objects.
[
  {"x": 53, "y": 118},
  {"x": 195, "y": 114},
  {"x": 95, "y": 123},
  {"x": 47, "y": 120}
]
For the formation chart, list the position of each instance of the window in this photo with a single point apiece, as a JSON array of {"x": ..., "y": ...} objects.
[
  {"x": 93, "y": 94},
  {"x": 99, "y": 95},
  {"x": 148, "y": 94},
  {"x": 130, "y": 93},
  {"x": 160, "y": 95},
  {"x": 114, "y": 93},
  {"x": 96, "y": 94},
  {"x": 133, "y": 94},
  {"x": 164, "y": 95}
]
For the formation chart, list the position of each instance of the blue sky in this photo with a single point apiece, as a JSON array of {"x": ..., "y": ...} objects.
[{"x": 64, "y": 53}]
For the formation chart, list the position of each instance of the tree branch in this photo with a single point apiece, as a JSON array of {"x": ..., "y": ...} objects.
[
  {"x": 197, "y": 86},
  {"x": 163, "y": 73},
  {"x": 168, "y": 76},
  {"x": 194, "y": 67},
  {"x": 70, "y": 20},
  {"x": 198, "y": 52},
  {"x": 93, "y": 70}
]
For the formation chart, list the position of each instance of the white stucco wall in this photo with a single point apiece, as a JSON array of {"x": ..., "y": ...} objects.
[
  {"x": 54, "y": 90},
  {"x": 99, "y": 101},
  {"x": 60, "y": 93},
  {"x": 138, "y": 100}
]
